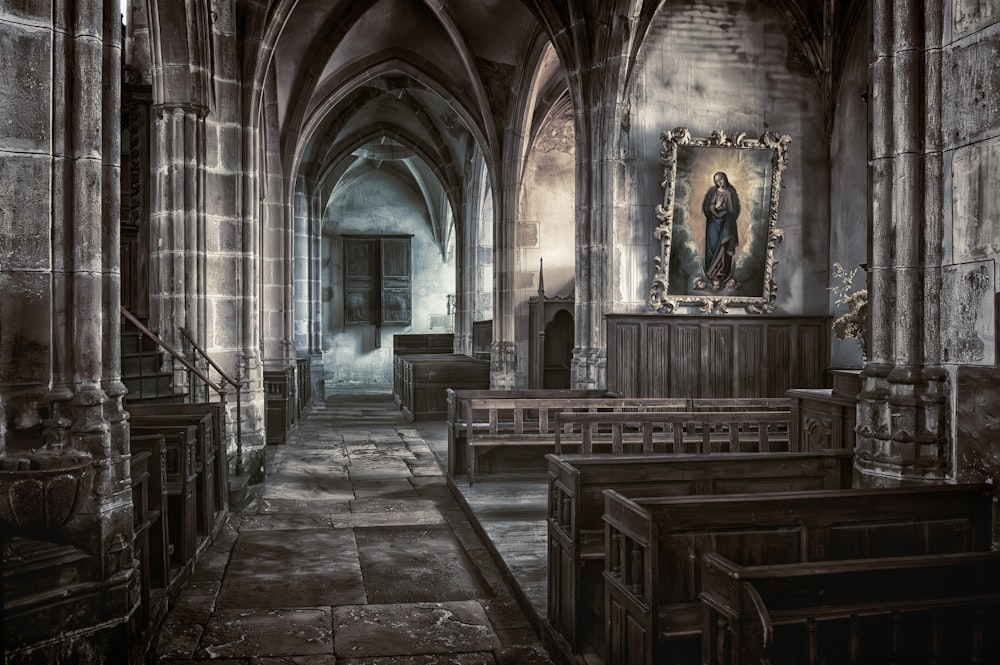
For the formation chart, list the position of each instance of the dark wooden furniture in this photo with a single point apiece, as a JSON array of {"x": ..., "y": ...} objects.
[
  {"x": 425, "y": 379},
  {"x": 550, "y": 341},
  {"x": 502, "y": 422},
  {"x": 143, "y": 516},
  {"x": 416, "y": 344},
  {"x": 654, "y": 547},
  {"x": 303, "y": 377},
  {"x": 206, "y": 463},
  {"x": 457, "y": 415},
  {"x": 822, "y": 419},
  {"x": 656, "y": 355},
  {"x": 941, "y": 608},
  {"x": 673, "y": 431},
  {"x": 278, "y": 403},
  {"x": 826, "y": 417},
  {"x": 482, "y": 339},
  {"x": 154, "y": 512},
  {"x": 182, "y": 479},
  {"x": 545, "y": 419},
  {"x": 215, "y": 438},
  {"x": 576, "y": 507}
]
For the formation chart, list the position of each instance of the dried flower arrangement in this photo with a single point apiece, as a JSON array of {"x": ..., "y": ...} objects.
[{"x": 851, "y": 325}]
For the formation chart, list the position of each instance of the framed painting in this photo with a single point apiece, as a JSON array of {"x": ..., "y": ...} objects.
[{"x": 718, "y": 224}]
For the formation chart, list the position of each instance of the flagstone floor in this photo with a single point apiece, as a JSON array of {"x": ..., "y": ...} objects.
[{"x": 355, "y": 551}]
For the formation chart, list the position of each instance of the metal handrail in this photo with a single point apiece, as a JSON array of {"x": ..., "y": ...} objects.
[
  {"x": 231, "y": 381},
  {"x": 173, "y": 352},
  {"x": 236, "y": 383}
]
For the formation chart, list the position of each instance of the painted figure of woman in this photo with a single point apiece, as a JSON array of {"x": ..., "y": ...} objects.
[{"x": 721, "y": 207}]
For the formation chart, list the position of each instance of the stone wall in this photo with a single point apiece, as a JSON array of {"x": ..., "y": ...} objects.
[
  {"x": 379, "y": 203},
  {"x": 970, "y": 130}
]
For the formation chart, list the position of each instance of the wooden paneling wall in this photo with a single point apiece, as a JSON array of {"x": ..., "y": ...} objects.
[{"x": 656, "y": 355}]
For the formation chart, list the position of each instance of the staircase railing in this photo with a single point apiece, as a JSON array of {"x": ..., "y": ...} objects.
[
  {"x": 184, "y": 362},
  {"x": 234, "y": 382},
  {"x": 194, "y": 372}
]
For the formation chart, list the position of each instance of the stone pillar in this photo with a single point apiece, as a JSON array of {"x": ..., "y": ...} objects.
[
  {"x": 901, "y": 434},
  {"x": 59, "y": 342},
  {"x": 597, "y": 76},
  {"x": 177, "y": 257}
]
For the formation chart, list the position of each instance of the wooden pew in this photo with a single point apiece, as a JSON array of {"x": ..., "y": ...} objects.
[
  {"x": 674, "y": 432},
  {"x": 153, "y": 513},
  {"x": 576, "y": 505},
  {"x": 654, "y": 547},
  {"x": 423, "y": 381},
  {"x": 217, "y": 442},
  {"x": 456, "y": 414},
  {"x": 502, "y": 422},
  {"x": 142, "y": 519},
  {"x": 915, "y": 609},
  {"x": 204, "y": 459},
  {"x": 502, "y": 419},
  {"x": 413, "y": 344},
  {"x": 182, "y": 477}
]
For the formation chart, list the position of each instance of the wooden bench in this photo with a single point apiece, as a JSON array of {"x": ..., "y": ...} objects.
[
  {"x": 702, "y": 431},
  {"x": 217, "y": 441},
  {"x": 557, "y": 422},
  {"x": 654, "y": 547},
  {"x": 916, "y": 609},
  {"x": 180, "y": 444},
  {"x": 576, "y": 507},
  {"x": 154, "y": 515},
  {"x": 456, "y": 414},
  {"x": 204, "y": 460},
  {"x": 414, "y": 344},
  {"x": 425, "y": 378},
  {"x": 501, "y": 422}
]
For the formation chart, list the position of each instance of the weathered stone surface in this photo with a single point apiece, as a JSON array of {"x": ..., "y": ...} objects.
[
  {"x": 971, "y": 15},
  {"x": 972, "y": 88},
  {"x": 261, "y": 633},
  {"x": 25, "y": 346},
  {"x": 27, "y": 82},
  {"x": 977, "y": 416},
  {"x": 968, "y": 323},
  {"x": 413, "y": 564},
  {"x": 24, "y": 215},
  {"x": 975, "y": 234},
  {"x": 426, "y": 628},
  {"x": 299, "y": 568}
]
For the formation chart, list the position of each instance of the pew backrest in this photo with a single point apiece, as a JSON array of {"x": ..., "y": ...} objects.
[
  {"x": 576, "y": 505},
  {"x": 674, "y": 431},
  {"x": 751, "y": 610},
  {"x": 577, "y": 482},
  {"x": 654, "y": 545}
]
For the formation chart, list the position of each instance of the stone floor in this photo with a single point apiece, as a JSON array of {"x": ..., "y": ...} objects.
[{"x": 355, "y": 551}]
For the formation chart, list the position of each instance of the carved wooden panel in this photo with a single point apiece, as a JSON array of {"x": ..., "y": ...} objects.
[{"x": 656, "y": 355}]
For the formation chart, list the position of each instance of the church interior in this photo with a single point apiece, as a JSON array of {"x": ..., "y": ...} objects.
[{"x": 441, "y": 331}]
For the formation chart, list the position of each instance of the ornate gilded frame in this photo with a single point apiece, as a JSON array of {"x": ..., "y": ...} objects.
[{"x": 754, "y": 168}]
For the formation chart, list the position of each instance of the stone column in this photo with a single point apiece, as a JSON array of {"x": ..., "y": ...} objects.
[
  {"x": 596, "y": 76},
  {"x": 901, "y": 435},
  {"x": 177, "y": 259},
  {"x": 59, "y": 324},
  {"x": 503, "y": 354}
]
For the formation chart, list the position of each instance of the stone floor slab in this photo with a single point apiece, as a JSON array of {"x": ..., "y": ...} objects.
[
  {"x": 269, "y": 506},
  {"x": 285, "y": 569},
  {"x": 350, "y": 521},
  {"x": 412, "y": 564},
  {"x": 435, "y": 659},
  {"x": 400, "y": 630},
  {"x": 262, "y": 633}
]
